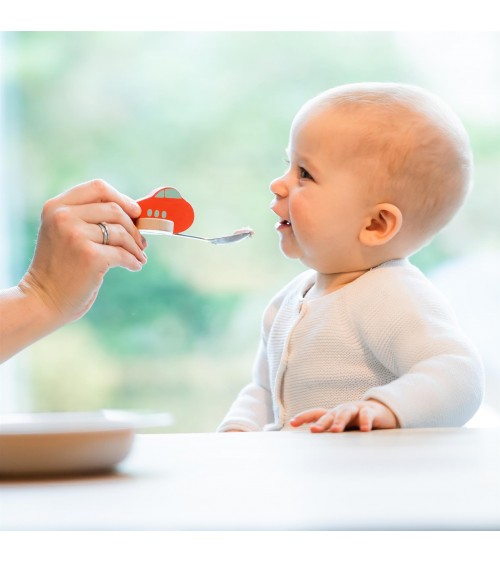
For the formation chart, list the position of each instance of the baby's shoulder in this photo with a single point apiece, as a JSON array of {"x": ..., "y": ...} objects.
[
  {"x": 293, "y": 290},
  {"x": 395, "y": 286},
  {"x": 296, "y": 287}
]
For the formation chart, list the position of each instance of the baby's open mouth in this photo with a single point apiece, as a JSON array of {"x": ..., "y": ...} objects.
[{"x": 282, "y": 224}]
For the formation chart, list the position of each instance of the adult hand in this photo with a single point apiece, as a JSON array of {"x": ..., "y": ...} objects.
[
  {"x": 71, "y": 258},
  {"x": 365, "y": 415}
]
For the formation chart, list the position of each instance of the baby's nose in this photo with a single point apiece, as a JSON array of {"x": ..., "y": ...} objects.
[
  {"x": 279, "y": 190},
  {"x": 278, "y": 187}
]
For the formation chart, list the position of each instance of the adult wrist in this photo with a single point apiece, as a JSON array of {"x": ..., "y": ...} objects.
[{"x": 40, "y": 308}]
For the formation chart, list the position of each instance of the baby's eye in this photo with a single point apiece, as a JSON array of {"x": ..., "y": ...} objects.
[{"x": 304, "y": 174}]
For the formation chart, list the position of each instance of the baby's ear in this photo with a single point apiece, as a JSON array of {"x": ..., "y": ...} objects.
[{"x": 381, "y": 225}]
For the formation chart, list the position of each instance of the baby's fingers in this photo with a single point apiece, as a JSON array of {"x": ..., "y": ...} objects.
[
  {"x": 305, "y": 417},
  {"x": 341, "y": 417},
  {"x": 324, "y": 423},
  {"x": 366, "y": 418}
]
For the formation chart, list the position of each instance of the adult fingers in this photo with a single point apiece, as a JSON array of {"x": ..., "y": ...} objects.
[
  {"x": 117, "y": 236},
  {"x": 97, "y": 191},
  {"x": 117, "y": 256},
  {"x": 109, "y": 213},
  {"x": 305, "y": 417}
]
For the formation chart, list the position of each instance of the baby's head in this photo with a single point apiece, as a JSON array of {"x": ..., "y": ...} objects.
[{"x": 404, "y": 148}]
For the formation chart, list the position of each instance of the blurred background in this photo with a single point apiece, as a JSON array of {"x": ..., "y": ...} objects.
[{"x": 209, "y": 113}]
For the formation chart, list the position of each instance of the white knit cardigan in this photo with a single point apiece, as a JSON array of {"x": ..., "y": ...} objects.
[{"x": 389, "y": 335}]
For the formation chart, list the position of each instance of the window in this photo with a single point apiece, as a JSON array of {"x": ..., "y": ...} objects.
[{"x": 181, "y": 335}]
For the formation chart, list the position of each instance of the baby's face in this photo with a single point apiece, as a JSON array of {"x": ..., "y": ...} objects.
[{"x": 322, "y": 199}]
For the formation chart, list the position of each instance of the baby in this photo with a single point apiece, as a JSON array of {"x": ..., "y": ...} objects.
[{"x": 362, "y": 339}]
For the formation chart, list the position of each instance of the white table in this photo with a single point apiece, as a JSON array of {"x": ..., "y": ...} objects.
[{"x": 430, "y": 479}]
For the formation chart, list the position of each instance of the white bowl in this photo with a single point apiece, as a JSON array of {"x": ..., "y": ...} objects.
[{"x": 68, "y": 443}]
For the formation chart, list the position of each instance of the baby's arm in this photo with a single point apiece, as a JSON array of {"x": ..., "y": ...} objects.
[
  {"x": 252, "y": 409},
  {"x": 365, "y": 415},
  {"x": 406, "y": 326},
  {"x": 411, "y": 330},
  {"x": 439, "y": 376}
]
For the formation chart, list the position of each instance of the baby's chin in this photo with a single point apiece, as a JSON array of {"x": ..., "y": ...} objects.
[{"x": 290, "y": 250}]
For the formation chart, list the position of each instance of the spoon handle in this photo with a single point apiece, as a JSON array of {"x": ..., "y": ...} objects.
[
  {"x": 190, "y": 236},
  {"x": 228, "y": 239}
]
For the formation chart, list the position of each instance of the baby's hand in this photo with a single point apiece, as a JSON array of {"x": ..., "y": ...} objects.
[{"x": 365, "y": 415}]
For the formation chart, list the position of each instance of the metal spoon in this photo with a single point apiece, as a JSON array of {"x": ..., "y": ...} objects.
[{"x": 228, "y": 239}]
